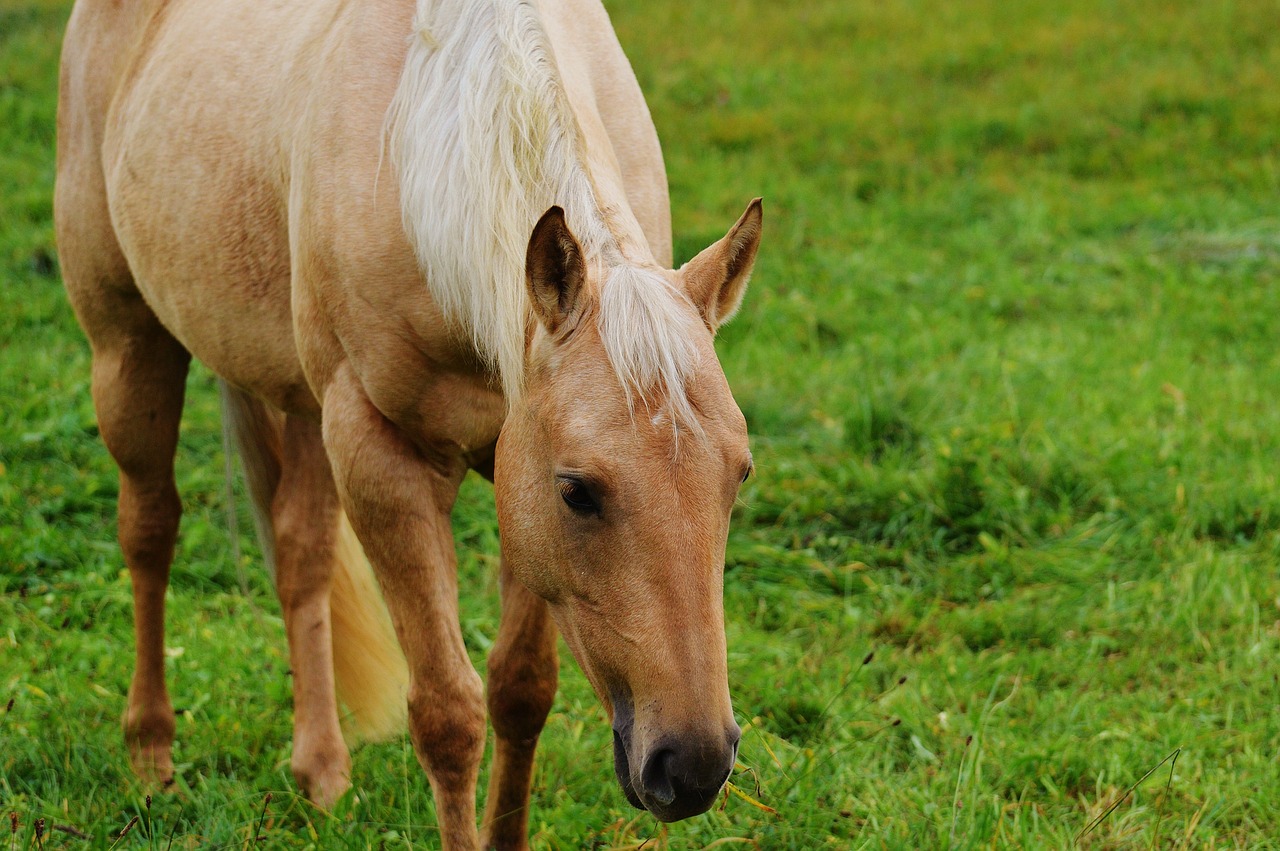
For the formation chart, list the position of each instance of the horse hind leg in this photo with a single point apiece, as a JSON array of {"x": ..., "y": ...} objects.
[
  {"x": 296, "y": 509},
  {"x": 298, "y": 516},
  {"x": 138, "y": 380},
  {"x": 305, "y": 516},
  {"x": 341, "y": 643},
  {"x": 139, "y": 376}
]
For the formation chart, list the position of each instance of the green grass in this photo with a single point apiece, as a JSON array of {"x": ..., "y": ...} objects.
[{"x": 1009, "y": 362}]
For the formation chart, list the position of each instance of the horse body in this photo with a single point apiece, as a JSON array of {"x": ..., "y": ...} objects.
[{"x": 236, "y": 181}]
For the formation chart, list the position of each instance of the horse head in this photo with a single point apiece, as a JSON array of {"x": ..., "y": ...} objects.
[{"x": 616, "y": 473}]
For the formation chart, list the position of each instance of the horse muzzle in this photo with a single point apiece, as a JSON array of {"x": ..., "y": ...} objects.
[{"x": 677, "y": 776}]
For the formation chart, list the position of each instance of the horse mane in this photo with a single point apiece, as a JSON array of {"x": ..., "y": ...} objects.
[{"x": 484, "y": 141}]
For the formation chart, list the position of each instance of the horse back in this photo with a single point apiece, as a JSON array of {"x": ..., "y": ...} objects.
[{"x": 191, "y": 121}]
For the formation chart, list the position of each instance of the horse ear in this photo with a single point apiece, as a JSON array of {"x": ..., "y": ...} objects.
[
  {"x": 717, "y": 278},
  {"x": 555, "y": 271}
]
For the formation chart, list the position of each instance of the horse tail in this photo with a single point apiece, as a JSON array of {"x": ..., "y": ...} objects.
[{"x": 369, "y": 670}]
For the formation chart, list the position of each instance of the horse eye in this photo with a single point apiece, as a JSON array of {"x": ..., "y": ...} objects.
[
  {"x": 747, "y": 474},
  {"x": 577, "y": 496}
]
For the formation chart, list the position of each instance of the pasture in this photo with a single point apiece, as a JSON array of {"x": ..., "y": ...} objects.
[{"x": 1009, "y": 361}]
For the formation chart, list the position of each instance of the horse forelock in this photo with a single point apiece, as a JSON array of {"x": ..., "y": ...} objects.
[{"x": 648, "y": 329}]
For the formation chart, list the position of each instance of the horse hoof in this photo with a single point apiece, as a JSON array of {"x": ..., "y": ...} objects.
[
  {"x": 326, "y": 792},
  {"x": 323, "y": 786},
  {"x": 153, "y": 763}
]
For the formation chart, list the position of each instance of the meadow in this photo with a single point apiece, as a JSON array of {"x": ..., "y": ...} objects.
[{"x": 1008, "y": 575}]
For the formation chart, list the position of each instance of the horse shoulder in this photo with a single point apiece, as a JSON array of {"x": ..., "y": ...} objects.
[{"x": 358, "y": 288}]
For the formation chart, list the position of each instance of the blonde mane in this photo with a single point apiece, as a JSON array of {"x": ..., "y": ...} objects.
[{"x": 484, "y": 141}]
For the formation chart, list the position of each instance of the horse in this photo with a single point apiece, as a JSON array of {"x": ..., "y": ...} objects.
[{"x": 413, "y": 240}]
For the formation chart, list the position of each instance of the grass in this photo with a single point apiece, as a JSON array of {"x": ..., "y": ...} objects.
[{"x": 1009, "y": 363}]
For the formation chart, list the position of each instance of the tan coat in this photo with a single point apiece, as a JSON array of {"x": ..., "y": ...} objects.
[{"x": 226, "y": 190}]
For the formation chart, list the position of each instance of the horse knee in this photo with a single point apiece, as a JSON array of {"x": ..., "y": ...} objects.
[
  {"x": 447, "y": 727},
  {"x": 521, "y": 692},
  {"x": 149, "y": 515}
]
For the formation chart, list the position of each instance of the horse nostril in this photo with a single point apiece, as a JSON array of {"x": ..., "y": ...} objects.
[
  {"x": 728, "y": 769},
  {"x": 656, "y": 777}
]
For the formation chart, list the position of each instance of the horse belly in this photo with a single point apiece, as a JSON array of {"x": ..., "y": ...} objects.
[{"x": 196, "y": 193}]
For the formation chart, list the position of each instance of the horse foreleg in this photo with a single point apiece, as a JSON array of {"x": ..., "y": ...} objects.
[
  {"x": 139, "y": 375},
  {"x": 304, "y": 517},
  {"x": 399, "y": 500},
  {"x": 523, "y": 674}
]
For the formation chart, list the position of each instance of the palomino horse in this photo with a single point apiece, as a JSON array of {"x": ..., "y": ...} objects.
[{"x": 414, "y": 242}]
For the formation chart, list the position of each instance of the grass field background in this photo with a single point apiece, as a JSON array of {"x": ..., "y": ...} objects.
[{"x": 1010, "y": 364}]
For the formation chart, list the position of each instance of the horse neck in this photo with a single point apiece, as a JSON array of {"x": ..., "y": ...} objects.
[
  {"x": 486, "y": 134},
  {"x": 610, "y": 208}
]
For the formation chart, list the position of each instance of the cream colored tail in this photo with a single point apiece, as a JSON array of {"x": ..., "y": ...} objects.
[
  {"x": 368, "y": 667},
  {"x": 369, "y": 670}
]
